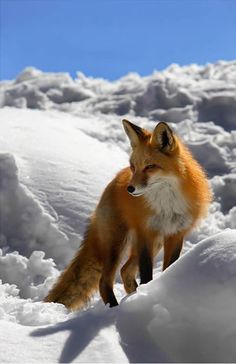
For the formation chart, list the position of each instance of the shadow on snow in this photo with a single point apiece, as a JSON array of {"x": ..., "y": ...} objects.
[{"x": 83, "y": 328}]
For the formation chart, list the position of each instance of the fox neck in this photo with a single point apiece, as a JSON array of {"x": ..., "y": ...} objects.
[{"x": 169, "y": 206}]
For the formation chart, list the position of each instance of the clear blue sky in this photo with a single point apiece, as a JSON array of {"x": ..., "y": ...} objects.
[{"x": 109, "y": 38}]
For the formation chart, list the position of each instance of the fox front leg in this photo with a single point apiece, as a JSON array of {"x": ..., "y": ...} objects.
[
  {"x": 172, "y": 249},
  {"x": 145, "y": 265},
  {"x": 145, "y": 257}
]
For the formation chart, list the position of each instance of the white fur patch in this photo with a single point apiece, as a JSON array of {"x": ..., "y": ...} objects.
[{"x": 171, "y": 210}]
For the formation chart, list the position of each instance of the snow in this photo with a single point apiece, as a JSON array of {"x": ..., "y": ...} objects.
[
  {"x": 61, "y": 142},
  {"x": 188, "y": 312}
]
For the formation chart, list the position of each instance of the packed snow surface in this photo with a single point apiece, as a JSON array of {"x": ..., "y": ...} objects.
[{"x": 61, "y": 142}]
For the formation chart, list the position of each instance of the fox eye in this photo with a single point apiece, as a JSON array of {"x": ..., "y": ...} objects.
[
  {"x": 132, "y": 167},
  {"x": 150, "y": 166}
]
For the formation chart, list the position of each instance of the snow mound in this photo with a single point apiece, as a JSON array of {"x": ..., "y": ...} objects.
[
  {"x": 187, "y": 314},
  {"x": 25, "y": 312},
  {"x": 25, "y": 226},
  {"x": 32, "y": 276}
]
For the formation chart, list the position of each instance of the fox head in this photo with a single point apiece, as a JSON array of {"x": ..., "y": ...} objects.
[{"x": 153, "y": 157}]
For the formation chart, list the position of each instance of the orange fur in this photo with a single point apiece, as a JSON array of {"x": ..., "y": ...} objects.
[{"x": 173, "y": 196}]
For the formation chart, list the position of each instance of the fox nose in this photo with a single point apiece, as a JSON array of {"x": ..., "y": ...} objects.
[{"x": 130, "y": 189}]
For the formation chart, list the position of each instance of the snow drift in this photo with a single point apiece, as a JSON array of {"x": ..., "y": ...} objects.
[
  {"x": 61, "y": 142},
  {"x": 188, "y": 313}
]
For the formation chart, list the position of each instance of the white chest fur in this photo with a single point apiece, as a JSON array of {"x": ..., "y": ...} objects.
[{"x": 169, "y": 206}]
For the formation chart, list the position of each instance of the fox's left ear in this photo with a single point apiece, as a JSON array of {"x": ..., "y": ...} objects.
[{"x": 163, "y": 138}]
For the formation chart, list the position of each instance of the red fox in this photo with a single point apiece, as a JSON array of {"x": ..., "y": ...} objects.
[{"x": 154, "y": 202}]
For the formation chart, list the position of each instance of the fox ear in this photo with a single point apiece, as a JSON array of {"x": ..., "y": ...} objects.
[
  {"x": 163, "y": 138},
  {"x": 134, "y": 132}
]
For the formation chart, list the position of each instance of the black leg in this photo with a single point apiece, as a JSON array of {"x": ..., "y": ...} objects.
[{"x": 145, "y": 265}]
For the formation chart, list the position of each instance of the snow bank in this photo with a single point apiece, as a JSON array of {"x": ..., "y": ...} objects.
[
  {"x": 188, "y": 314},
  {"x": 25, "y": 226},
  {"x": 65, "y": 169},
  {"x": 199, "y": 93}
]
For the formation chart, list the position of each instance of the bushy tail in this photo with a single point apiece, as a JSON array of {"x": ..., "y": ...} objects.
[{"x": 79, "y": 281}]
